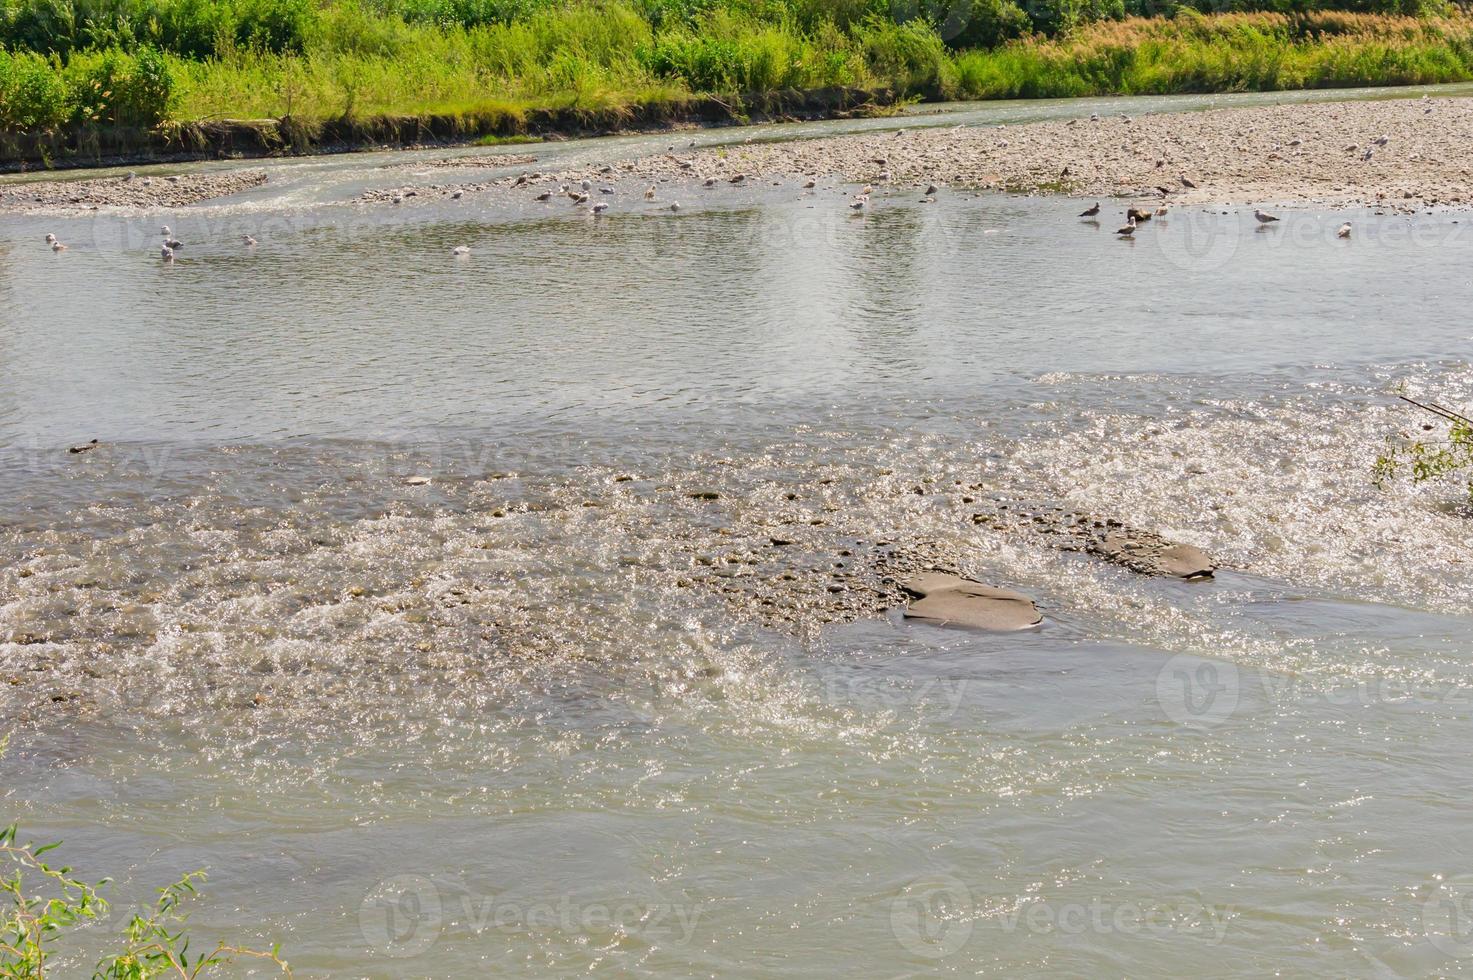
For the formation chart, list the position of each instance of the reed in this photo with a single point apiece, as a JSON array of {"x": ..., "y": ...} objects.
[{"x": 139, "y": 63}]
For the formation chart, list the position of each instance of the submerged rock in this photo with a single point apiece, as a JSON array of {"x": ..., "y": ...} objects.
[
  {"x": 1151, "y": 554},
  {"x": 948, "y": 600}
]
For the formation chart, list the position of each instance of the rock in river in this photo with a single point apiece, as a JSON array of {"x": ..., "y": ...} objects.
[
  {"x": 946, "y": 600},
  {"x": 1151, "y": 554}
]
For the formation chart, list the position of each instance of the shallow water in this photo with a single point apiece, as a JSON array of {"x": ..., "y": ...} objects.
[{"x": 484, "y": 724}]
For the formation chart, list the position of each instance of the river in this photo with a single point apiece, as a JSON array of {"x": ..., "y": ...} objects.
[{"x": 375, "y": 597}]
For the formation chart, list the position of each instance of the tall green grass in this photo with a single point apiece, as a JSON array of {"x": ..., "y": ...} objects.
[
  {"x": 1228, "y": 53},
  {"x": 317, "y": 60}
]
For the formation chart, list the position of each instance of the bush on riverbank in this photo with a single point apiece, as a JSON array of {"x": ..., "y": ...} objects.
[
  {"x": 140, "y": 62},
  {"x": 109, "y": 88}
]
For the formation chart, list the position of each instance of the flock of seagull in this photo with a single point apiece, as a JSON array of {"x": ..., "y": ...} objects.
[
  {"x": 167, "y": 248},
  {"x": 1135, "y": 216}
]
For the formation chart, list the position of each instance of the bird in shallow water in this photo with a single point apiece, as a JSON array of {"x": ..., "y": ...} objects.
[
  {"x": 1343, "y": 231},
  {"x": 599, "y": 208},
  {"x": 710, "y": 182},
  {"x": 809, "y": 184},
  {"x": 930, "y": 190},
  {"x": 248, "y": 241},
  {"x": 857, "y": 204},
  {"x": 544, "y": 196},
  {"x": 675, "y": 206},
  {"x": 173, "y": 243},
  {"x": 166, "y": 231},
  {"x": 1264, "y": 217},
  {"x": 85, "y": 447},
  {"x": 455, "y": 195},
  {"x": 649, "y": 193},
  {"x": 461, "y": 250},
  {"x": 1090, "y": 212},
  {"x": 166, "y": 253},
  {"x": 50, "y": 238},
  {"x": 58, "y": 247},
  {"x": 1127, "y": 230}
]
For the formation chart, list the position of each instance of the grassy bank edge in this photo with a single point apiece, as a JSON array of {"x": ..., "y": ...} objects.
[{"x": 97, "y": 146}]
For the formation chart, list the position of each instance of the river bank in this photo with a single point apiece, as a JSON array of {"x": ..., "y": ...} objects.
[{"x": 1399, "y": 155}]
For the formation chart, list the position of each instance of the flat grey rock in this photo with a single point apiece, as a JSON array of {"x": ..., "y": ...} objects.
[
  {"x": 1151, "y": 554},
  {"x": 948, "y": 600}
]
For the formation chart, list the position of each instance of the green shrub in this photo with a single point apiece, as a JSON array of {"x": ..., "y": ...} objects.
[
  {"x": 32, "y": 96},
  {"x": 121, "y": 89}
]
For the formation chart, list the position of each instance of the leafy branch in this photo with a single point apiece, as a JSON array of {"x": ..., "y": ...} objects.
[{"x": 1429, "y": 459}]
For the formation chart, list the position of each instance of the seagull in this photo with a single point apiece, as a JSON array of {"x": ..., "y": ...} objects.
[
  {"x": 1186, "y": 183},
  {"x": 455, "y": 195},
  {"x": 1343, "y": 231},
  {"x": 248, "y": 240},
  {"x": 581, "y": 199},
  {"x": 883, "y": 176},
  {"x": 1264, "y": 217},
  {"x": 1127, "y": 230},
  {"x": 810, "y": 184},
  {"x": 737, "y": 179},
  {"x": 675, "y": 206},
  {"x": 1161, "y": 211},
  {"x": 857, "y": 204},
  {"x": 1163, "y": 191},
  {"x": 606, "y": 190},
  {"x": 1090, "y": 212},
  {"x": 50, "y": 238},
  {"x": 587, "y": 186},
  {"x": 461, "y": 250},
  {"x": 1368, "y": 154},
  {"x": 173, "y": 243},
  {"x": 1094, "y": 117},
  {"x": 710, "y": 181},
  {"x": 58, "y": 247},
  {"x": 599, "y": 208},
  {"x": 85, "y": 447},
  {"x": 398, "y": 199},
  {"x": 166, "y": 253},
  {"x": 165, "y": 231},
  {"x": 1381, "y": 140},
  {"x": 649, "y": 193},
  {"x": 545, "y": 196},
  {"x": 930, "y": 190}
]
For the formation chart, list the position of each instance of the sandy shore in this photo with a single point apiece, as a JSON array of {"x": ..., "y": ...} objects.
[
  {"x": 127, "y": 191},
  {"x": 1296, "y": 154}
]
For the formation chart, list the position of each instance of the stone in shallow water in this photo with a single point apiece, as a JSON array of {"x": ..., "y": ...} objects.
[
  {"x": 1151, "y": 554},
  {"x": 947, "y": 600}
]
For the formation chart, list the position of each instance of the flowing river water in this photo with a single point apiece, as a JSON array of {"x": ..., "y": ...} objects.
[{"x": 412, "y": 595}]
